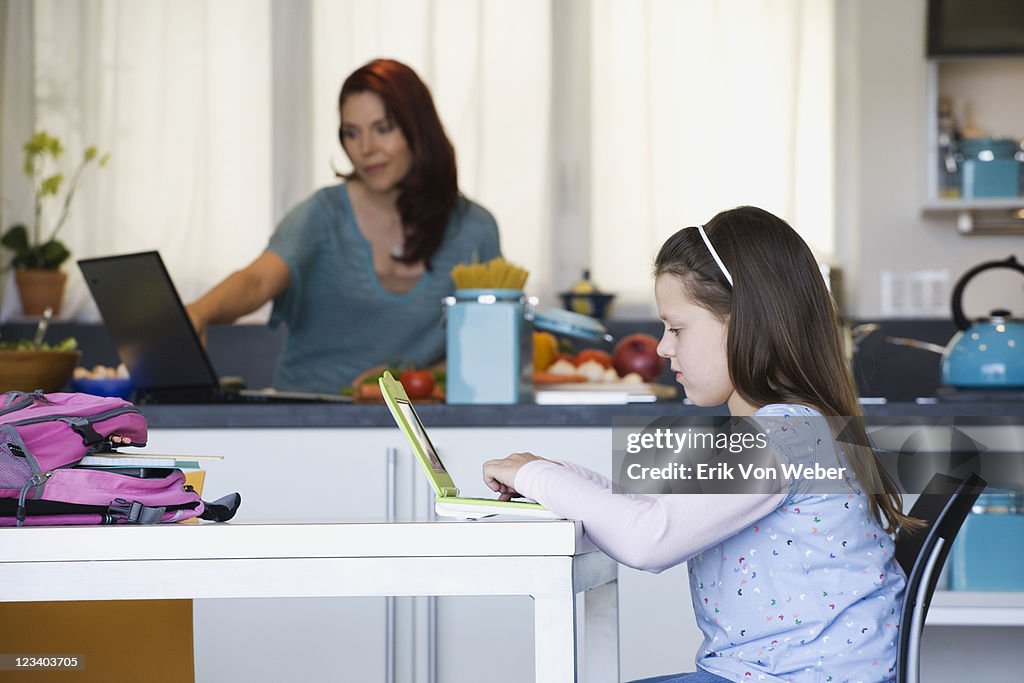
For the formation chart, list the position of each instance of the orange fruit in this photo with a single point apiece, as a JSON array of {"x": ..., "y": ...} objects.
[{"x": 545, "y": 348}]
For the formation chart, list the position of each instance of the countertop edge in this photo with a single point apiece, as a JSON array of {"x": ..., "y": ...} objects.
[{"x": 310, "y": 415}]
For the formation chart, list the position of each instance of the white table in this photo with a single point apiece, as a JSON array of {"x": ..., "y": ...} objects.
[{"x": 548, "y": 560}]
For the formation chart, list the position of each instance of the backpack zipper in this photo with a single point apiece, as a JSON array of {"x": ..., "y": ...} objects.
[
  {"x": 78, "y": 422},
  {"x": 105, "y": 415}
]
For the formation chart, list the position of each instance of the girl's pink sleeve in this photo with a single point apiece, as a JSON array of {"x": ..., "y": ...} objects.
[{"x": 650, "y": 532}]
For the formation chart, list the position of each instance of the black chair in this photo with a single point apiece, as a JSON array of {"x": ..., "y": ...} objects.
[{"x": 944, "y": 505}]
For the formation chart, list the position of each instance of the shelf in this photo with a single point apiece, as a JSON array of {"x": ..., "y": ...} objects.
[
  {"x": 976, "y": 608},
  {"x": 970, "y": 218},
  {"x": 985, "y": 92},
  {"x": 990, "y": 204}
]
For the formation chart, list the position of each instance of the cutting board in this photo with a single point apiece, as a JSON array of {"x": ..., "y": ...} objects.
[
  {"x": 659, "y": 390},
  {"x": 603, "y": 393}
]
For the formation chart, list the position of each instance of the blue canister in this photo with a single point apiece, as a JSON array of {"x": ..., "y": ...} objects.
[
  {"x": 989, "y": 550},
  {"x": 489, "y": 337},
  {"x": 989, "y": 168},
  {"x": 489, "y": 346}
]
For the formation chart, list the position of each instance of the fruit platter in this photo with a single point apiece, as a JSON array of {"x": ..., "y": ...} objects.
[{"x": 632, "y": 367}]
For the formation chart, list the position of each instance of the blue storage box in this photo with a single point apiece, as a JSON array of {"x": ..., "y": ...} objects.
[
  {"x": 489, "y": 343},
  {"x": 489, "y": 347},
  {"x": 989, "y": 550},
  {"x": 990, "y": 168}
]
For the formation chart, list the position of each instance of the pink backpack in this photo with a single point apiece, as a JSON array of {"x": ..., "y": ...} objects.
[{"x": 42, "y": 439}]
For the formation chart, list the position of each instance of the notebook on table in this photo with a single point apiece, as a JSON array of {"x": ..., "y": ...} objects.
[
  {"x": 447, "y": 501},
  {"x": 155, "y": 339}
]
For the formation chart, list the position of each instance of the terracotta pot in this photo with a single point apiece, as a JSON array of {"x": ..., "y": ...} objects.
[{"x": 40, "y": 289}]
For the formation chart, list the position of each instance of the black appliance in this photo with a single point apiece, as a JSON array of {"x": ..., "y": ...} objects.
[{"x": 965, "y": 28}]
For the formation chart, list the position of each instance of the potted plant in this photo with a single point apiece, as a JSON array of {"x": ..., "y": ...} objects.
[{"x": 38, "y": 255}]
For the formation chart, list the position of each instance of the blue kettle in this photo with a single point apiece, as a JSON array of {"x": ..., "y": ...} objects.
[{"x": 987, "y": 353}]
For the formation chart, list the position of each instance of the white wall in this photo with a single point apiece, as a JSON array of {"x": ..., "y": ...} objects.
[{"x": 881, "y": 175}]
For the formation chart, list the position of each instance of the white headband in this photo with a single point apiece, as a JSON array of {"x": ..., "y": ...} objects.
[{"x": 714, "y": 254}]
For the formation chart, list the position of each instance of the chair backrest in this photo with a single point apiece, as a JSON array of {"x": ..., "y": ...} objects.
[{"x": 944, "y": 505}]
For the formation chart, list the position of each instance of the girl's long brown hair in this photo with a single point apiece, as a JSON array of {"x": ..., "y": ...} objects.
[
  {"x": 427, "y": 195},
  {"x": 785, "y": 343}
]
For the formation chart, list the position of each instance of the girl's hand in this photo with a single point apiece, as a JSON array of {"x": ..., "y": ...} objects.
[{"x": 500, "y": 475}]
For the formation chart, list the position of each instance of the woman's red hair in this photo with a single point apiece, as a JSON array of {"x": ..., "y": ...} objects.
[{"x": 427, "y": 195}]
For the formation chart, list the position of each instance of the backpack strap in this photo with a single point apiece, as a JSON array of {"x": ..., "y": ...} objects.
[
  {"x": 135, "y": 512},
  {"x": 34, "y": 482},
  {"x": 84, "y": 428},
  {"x": 222, "y": 509}
]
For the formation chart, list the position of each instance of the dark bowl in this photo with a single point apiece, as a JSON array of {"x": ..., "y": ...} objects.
[{"x": 595, "y": 305}]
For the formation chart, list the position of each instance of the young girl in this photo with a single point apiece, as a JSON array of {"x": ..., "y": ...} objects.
[{"x": 787, "y": 586}]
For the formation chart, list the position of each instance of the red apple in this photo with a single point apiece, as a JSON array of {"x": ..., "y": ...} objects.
[{"x": 638, "y": 353}]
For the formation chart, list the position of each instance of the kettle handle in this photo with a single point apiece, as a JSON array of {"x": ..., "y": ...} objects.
[{"x": 959, "y": 318}]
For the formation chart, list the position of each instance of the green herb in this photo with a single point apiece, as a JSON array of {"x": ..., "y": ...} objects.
[{"x": 69, "y": 344}]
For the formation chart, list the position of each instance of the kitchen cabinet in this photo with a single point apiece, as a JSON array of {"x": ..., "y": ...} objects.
[
  {"x": 987, "y": 95},
  {"x": 977, "y": 608},
  {"x": 294, "y": 475},
  {"x": 965, "y": 628}
]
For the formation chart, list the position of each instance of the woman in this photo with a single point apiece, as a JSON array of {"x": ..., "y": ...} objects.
[
  {"x": 357, "y": 271},
  {"x": 797, "y": 584}
]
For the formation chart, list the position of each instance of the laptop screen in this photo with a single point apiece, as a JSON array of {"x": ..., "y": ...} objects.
[
  {"x": 147, "y": 322},
  {"x": 420, "y": 434}
]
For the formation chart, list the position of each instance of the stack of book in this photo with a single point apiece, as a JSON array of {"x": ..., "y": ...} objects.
[{"x": 152, "y": 465}]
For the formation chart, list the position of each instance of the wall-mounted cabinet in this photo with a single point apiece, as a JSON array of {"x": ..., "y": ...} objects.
[{"x": 981, "y": 98}]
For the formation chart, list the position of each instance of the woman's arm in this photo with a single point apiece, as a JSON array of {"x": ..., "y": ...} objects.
[{"x": 239, "y": 293}]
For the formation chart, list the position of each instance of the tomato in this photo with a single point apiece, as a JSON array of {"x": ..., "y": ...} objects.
[
  {"x": 602, "y": 357},
  {"x": 418, "y": 383}
]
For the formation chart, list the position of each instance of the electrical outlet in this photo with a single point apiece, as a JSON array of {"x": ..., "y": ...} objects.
[{"x": 915, "y": 293}]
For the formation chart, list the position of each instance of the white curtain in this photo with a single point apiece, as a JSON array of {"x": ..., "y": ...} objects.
[
  {"x": 221, "y": 115},
  {"x": 177, "y": 92},
  {"x": 700, "y": 106}
]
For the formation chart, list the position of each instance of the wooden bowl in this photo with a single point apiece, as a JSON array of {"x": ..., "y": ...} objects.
[{"x": 28, "y": 370}]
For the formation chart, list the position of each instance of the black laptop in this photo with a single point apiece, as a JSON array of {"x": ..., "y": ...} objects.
[{"x": 155, "y": 338}]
